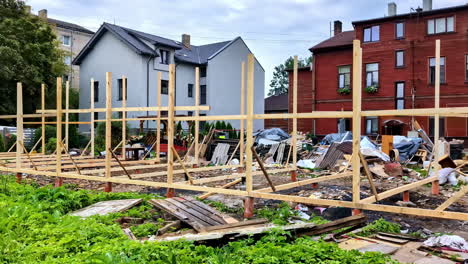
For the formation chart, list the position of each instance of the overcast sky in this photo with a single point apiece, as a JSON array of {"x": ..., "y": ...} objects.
[{"x": 273, "y": 29}]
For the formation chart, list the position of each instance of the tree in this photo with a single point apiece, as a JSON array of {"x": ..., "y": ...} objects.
[
  {"x": 29, "y": 54},
  {"x": 280, "y": 82}
]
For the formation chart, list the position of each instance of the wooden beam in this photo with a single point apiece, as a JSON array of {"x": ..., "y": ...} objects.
[
  {"x": 108, "y": 173},
  {"x": 197, "y": 114},
  {"x": 187, "y": 173},
  {"x": 58, "y": 149},
  {"x": 294, "y": 130},
  {"x": 225, "y": 186},
  {"x": 170, "y": 125},
  {"x": 92, "y": 118},
  {"x": 158, "y": 120},
  {"x": 67, "y": 115},
  {"x": 242, "y": 112},
  {"x": 43, "y": 139},
  {"x": 369, "y": 175},
  {"x": 250, "y": 112},
  {"x": 437, "y": 107},
  {"x": 265, "y": 173},
  {"x": 124, "y": 118},
  {"x": 357, "y": 90},
  {"x": 19, "y": 123},
  {"x": 295, "y": 184},
  {"x": 120, "y": 164}
]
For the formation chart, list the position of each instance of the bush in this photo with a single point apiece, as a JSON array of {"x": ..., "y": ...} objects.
[
  {"x": 116, "y": 130},
  {"x": 10, "y": 140},
  {"x": 51, "y": 145}
]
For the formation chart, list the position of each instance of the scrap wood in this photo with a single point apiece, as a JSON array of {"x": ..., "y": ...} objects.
[
  {"x": 422, "y": 134},
  {"x": 441, "y": 253},
  {"x": 190, "y": 211},
  {"x": 238, "y": 224},
  {"x": 265, "y": 173},
  {"x": 351, "y": 221},
  {"x": 129, "y": 233},
  {"x": 106, "y": 207},
  {"x": 369, "y": 176},
  {"x": 172, "y": 225},
  {"x": 187, "y": 174},
  {"x": 392, "y": 239},
  {"x": 446, "y": 162},
  {"x": 402, "y": 236}
]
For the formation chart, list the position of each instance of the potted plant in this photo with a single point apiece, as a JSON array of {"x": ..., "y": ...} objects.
[
  {"x": 372, "y": 89},
  {"x": 344, "y": 91}
]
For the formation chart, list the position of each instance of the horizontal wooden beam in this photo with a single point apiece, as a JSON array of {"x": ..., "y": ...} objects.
[
  {"x": 128, "y": 109},
  {"x": 291, "y": 185}
]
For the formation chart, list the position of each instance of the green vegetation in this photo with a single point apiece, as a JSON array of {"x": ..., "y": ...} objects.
[
  {"x": 35, "y": 228},
  {"x": 2, "y": 144},
  {"x": 280, "y": 82},
  {"x": 380, "y": 225}
]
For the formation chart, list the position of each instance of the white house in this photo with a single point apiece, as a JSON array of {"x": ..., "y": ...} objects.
[{"x": 140, "y": 56}]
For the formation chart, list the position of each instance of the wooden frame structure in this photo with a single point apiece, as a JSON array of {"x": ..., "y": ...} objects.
[{"x": 55, "y": 167}]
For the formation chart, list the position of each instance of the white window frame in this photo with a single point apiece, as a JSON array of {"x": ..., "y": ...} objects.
[
  {"x": 374, "y": 33},
  {"x": 67, "y": 60},
  {"x": 164, "y": 59},
  {"x": 443, "y": 69},
  {"x": 432, "y": 25},
  {"x": 343, "y": 76},
  {"x": 402, "y": 30},
  {"x": 62, "y": 39},
  {"x": 400, "y": 95},
  {"x": 402, "y": 58}
]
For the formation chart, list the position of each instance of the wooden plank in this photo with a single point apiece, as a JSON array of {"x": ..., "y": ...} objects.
[
  {"x": 294, "y": 130},
  {"x": 242, "y": 112},
  {"x": 227, "y": 185},
  {"x": 369, "y": 175},
  {"x": 187, "y": 173},
  {"x": 337, "y": 224},
  {"x": 92, "y": 119},
  {"x": 170, "y": 125},
  {"x": 120, "y": 164},
  {"x": 178, "y": 213},
  {"x": 67, "y": 115},
  {"x": 265, "y": 173},
  {"x": 158, "y": 120},
  {"x": 108, "y": 173},
  {"x": 357, "y": 90},
  {"x": 106, "y": 207},
  {"x": 194, "y": 205},
  {"x": 250, "y": 111},
  {"x": 124, "y": 122},
  {"x": 43, "y": 138},
  {"x": 58, "y": 163},
  {"x": 205, "y": 207},
  {"x": 392, "y": 239},
  {"x": 238, "y": 224},
  {"x": 291, "y": 185},
  {"x": 455, "y": 197},
  {"x": 19, "y": 123},
  {"x": 197, "y": 114},
  {"x": 191, "y": 213}
]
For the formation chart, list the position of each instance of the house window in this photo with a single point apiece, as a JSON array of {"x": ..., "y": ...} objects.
[
  {"x": 96, "y": 115},
  {"x": 466, "y": 67},
  {"x": 66, "y": 77},
  {"x": 372, "y": 74},
  {"x": 372, "y": 34},
  {"x": 344, "y": 124},
  {"x": 399, "y": 58},
  {"x": 190, "y": 113},
  {"x": 203, "y": 94},
  {"x": 202, "y": 123},
  {"x": 164, "y": 87},
  {"x": 96, "y": 91},
  {"x": 164, "y": 58},
  {"x": 432, "y": 70},
  {"x": 67, "y": 60},
  {"x": 400, "y": 30},
  {"x": 66, "y": 40},
  {"x": 372, "y": 125},
  {"x": 440, "y": 25},
  {"x": 202, "y": 72},
  {"x": 190, "y": 90},
  {"x": 400, "y": 95},
  {"x": 344, "y": 77},
  {"x": 441, "y": 126}
]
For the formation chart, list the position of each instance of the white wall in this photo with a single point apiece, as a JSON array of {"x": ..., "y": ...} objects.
[{"x": 224, "y": 83}]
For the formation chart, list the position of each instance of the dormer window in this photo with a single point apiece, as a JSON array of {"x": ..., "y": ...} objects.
[
  {"x": 372, "y": 34},
  {"x": 164, "y": 57}
]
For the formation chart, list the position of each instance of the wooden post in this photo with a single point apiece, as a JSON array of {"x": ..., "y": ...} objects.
[
  {"x": 170, "y": 131},
  {"x": 19, "y": 128},
  {"x": 357, "y": 89},
  {"x": 158, "y": 120},
  {"x": 108, "y": 185},
  {"x": 124, "y": 118},
  {"x": 92, "y": 118},
  {"x": 249, "y": 132},
  {"x": 242, "y": 112},
  {"x": 294, "y": 130},
  {"x": 43, "y": 140},
  {"x": 435, "y": 184},
  {"x": 67, "y": 115},
  {"x": 58, "y": 148},
  {"x": 197, "y": 113}
]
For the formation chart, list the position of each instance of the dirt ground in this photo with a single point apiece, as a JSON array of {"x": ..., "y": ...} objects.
[{"x": 336, "y": 189}]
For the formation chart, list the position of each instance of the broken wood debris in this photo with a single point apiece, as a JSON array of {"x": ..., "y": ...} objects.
[{"x": 107, "y": 207}]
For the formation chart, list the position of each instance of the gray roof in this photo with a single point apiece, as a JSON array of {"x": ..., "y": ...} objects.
[
  {"x": 194, "y": 54},
  {"x": 70, "y": 26}
]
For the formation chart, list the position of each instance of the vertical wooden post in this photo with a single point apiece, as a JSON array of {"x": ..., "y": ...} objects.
[
  {"x": 357, "y": 89},
  {"x": 124, "y": 117},
  {"x": 19, "y": 128},
  {"x": 250, "y": 113},
  {"x": 435, "y": 184},
  {"x": 170, "y": 131},
  {"x": 67, "y": 115},
  {"x": 92, "y": 118},
  {"x": 158, "y": 121},
  {"x": 43, "y": 141},
  {"x": 108, "y": 185},
  {"x": 242, "y": 112},
  {"x": 294, "y": 130},
  {"x": 197, "y": 114},
  {"x": 58, "y": 148}
]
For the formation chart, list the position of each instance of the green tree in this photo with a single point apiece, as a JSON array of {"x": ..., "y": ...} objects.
[
  {"x": 280, "y": 82},
  {"x": 29, "y": 54}
]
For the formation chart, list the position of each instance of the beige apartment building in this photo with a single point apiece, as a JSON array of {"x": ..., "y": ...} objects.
[{"x": 72, "y": 39}]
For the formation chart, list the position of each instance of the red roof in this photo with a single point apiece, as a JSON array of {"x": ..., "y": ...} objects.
[
  {"x": 342, "y": 39},
  {"x": 276, "y": 103}
]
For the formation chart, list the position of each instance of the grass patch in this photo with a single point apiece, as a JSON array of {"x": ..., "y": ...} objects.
[{"x": 380, "y": 225}]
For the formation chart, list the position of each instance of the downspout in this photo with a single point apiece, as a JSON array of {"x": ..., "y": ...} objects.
[
  {"x": 314, "y": 98},
  {"x": 147, "y": 87}
]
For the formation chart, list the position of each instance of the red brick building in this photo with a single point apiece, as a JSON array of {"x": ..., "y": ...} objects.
[
  {"x": 276, "y": 104},
  {"x": 398, "y": 72}
]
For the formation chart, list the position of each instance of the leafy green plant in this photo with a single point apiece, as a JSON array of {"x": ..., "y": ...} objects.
[
  {"x": 10, "y": 140},
  {"x": 380, "y": 225},
  {"x": 145, "y": 230},
  {"x": 372, "y": 89},
  {"x": 2, "y": 144},
  {"x": 344, "y": 90},
  {"x": 51, "y": 145}
]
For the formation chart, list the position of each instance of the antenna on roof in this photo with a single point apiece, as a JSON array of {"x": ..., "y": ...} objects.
[{"x": 330, "y": 30}]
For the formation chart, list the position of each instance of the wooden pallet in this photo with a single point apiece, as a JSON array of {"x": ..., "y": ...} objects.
[{"x": 195, "y": 213}]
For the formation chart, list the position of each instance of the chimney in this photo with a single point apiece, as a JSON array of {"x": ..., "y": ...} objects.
[
  {"x": 27, "y": 9},
  {"x": 427, "y": 5},
  {"x": 337, "y": 27},
  {"x": 186, "y": 40},
  {"x": 392, "y": 11},
  {"x": 42, "y": 13}
]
